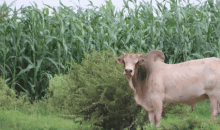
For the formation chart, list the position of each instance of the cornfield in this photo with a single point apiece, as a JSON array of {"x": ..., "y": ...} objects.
[{"x": 34, "y": 46}]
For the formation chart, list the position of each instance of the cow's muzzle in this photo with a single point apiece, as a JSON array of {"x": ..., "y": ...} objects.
[{"x": 128, "y": 71}]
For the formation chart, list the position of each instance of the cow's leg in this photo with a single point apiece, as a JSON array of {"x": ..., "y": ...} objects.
[
  {"x": 213, "y": 103},
  {"x": 193, "y": 105},
  {"x": 218, "y": 108},
  {"x": 151, "y": 117},
  {"x": 158, "y": 108}
]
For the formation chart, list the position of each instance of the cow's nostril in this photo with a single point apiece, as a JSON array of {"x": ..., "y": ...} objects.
[{"x": 128, "y": 70}]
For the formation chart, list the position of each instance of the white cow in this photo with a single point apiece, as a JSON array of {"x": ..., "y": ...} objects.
[{"x": 155, "y": 82}]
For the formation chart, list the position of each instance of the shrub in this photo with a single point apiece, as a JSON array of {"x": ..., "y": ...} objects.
[
  {"x": 8, "y": 98},
  {"x": 97, "y": 92},
  {"x": 6, "y": 94}
]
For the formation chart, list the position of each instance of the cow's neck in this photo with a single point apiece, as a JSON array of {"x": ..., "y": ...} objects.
[
  {"x": 138, "y": 81},
  {"x": 131, "y": 85},
  {"x": 140, "y": 74}
]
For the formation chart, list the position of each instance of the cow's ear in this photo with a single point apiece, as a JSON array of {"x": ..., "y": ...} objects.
[
  {"x": 123, "y": 53},
  {"x": 139, "y": 54},
  {"x": 141, "y": 61},
  {"x": 119, "y": 60}
]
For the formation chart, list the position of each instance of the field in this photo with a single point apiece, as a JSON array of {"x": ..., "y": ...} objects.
[{"x": 58, "y": 71}]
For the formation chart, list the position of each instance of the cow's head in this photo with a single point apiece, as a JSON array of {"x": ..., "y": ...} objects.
[{"x": 130, "y": 61}]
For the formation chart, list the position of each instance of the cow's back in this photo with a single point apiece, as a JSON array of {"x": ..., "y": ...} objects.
[{"x": 191, "y": 80}]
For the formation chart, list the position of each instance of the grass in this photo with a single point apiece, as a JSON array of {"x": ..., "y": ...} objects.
[
  {"x": 16, "y": 120},
  {"x": 199, "y": 119}
]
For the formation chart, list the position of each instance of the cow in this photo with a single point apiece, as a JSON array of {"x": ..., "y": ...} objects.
[{"x": 155, "y": 82}]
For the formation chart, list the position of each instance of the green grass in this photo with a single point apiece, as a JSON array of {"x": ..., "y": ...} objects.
[
  {"x": 199, "y": 119},
  {"x": 41, "y": 115},
  {"x": 16, "y": 120}
]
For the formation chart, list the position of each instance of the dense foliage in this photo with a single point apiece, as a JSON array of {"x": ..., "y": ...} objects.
[
  {"x": 8, "y": 98},
  {"x": 97, "y": 92}
]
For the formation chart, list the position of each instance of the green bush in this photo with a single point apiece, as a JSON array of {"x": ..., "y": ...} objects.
[
  {"x": 97, "y": 92},
  {"x": 8, "y": 98},
  {"x": 6, "y": 94}
]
